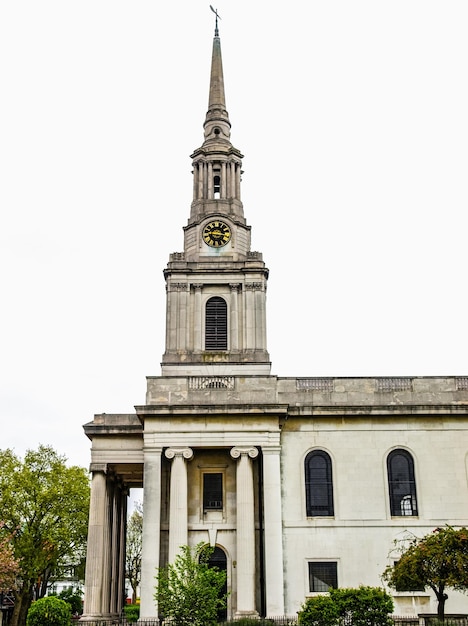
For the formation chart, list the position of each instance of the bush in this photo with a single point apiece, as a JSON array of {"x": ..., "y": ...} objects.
[
  {"x": 49, "y": 611},
  {"x": 365, "y": 606},
  {"x": 132, "y": 612},
  {"x": 319, "y": 611}
]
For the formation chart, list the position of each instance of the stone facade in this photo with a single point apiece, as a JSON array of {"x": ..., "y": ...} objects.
[{"x": 299, "y": 483}]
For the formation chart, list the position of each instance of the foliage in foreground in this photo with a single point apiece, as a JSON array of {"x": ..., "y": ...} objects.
[
  {"x": 9, "y": 566},
  {"x": 49, "y": 611},
  {"x": 132, "y": 612},
  {"x": 45, "y": 508},
  {"x": 189, "y": 591},
  {"x": 438, "y": 560},
  {"x": 364, "y": 606},
  {"x": 74, "y": 599}
]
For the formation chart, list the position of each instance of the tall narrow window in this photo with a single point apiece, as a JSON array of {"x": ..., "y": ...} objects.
[
  {"x": 212, "y": 492},
  {"x": 318, "y": 484},
  {"x": 216, "y": 324},
  {"x": 401, "y": 483}
]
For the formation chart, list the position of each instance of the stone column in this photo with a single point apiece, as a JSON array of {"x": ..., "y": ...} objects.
[
  {"x": 197, "y": 321},
  {"x": 273, "y": 530},
  {"x": 106, "y": 564},
  {"x": 171, "y": 316},
  {"x": 210, "y": 194},
  {"x": 95, "y": 549},
  {"x": 245, "y": 530},
  {"x": 178, "y": 511},
  {"x": 151, "y": 528},
  {"x": 122, "y": 546},
  {"x": 223, "y": 180},
  {"x": 233, "y": 180},
  {"x": 234, "y": 336},
  {"x": 115, "y": 549},
  {"x": 195, "y": 181},
  {"x": 238, "y": 181},
  {"x": 182, "y": 325},
  {"x": 249, "y": 342},
  {"x": 259, "y": 317}
]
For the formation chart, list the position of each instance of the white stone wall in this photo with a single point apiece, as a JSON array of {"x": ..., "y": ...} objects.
[{"x": 360, "y": 536}]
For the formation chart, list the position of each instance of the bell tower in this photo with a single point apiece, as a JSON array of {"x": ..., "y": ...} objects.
[{"x": 216, "y": 287}]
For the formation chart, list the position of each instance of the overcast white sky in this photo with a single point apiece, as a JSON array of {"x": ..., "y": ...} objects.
[{"x": 352, "y": 116}]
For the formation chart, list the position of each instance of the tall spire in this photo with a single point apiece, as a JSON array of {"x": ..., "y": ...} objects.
[
  {"x": 217, "y": 164},
  {"x": 217, "y": 118}
]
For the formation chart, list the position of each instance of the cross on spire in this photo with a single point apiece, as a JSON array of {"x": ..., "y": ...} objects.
[{"x": 215, "y": 11}]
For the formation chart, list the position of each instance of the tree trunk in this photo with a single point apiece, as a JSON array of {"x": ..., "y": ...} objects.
[
  {"x": 23, "y": 599},
  {"x": 441, "y": 598}
]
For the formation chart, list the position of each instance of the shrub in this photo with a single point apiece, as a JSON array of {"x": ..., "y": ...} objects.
[
  {"x": 49, "y": 611},
  {"x": 319, "y": 611},
  {"x": 365, "y": 606},
  {"x": 132, "y": 612}
]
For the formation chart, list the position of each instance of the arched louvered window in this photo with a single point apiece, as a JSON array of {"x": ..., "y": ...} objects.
[
  {"x": 217, "y": 186},
  {"x": 401, "y": 483},
  {"x": 318, "y": 484},
  {"x": 216, "y": 324}
]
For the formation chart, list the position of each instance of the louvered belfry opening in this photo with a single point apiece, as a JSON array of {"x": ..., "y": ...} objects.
[{"x": 216, "y": 324}]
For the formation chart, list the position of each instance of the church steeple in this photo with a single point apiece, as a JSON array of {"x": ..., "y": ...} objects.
[
  {"x": 217, "y": 165},
  {"x": 217, "y": 118},
  {"x": 216, "y": 287}
]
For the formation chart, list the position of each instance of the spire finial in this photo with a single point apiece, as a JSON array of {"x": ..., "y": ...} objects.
[{"x": 215, "y": 11}]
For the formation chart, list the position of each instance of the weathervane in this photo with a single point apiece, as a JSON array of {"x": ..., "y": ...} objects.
[{"x": 217, "y": 16}]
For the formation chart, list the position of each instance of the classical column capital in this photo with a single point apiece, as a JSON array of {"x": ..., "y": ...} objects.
[
  {"x": 239, "y": 451},
  {"x": 185, "y": 453},
  {"x": 98, "y": 467}
]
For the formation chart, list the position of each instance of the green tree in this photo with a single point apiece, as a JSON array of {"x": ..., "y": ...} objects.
[
  {"x": 49, "y": 611},
  {"x": 189, "y": 591},
  {"x": 438, "y": 560},
  {"x": 9, "y": 566},
  {"x": 134, "y": 545},
  {"x": 45, "y": 506},
  {"x": 74, "y": 598},
  {"x": 364, "y": 606}
]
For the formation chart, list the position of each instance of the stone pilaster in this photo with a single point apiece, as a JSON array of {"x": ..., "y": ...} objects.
[
  {"x": 234, "y": 317},
  {"x": 273, "y": 531},
  {"x": 245, "y": 530}
]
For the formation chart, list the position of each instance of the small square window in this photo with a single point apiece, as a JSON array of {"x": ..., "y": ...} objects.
[
  {"x": 212, "y": 492},
  {"x": 322, "y": 575}
]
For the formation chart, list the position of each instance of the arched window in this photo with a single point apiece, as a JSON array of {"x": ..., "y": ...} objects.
[
  {"x": 318, "y": 484},
  {"x": 216, "y": 324},
  {"x": 401, "y": 483},
  {"x": 217, "y": 186}
]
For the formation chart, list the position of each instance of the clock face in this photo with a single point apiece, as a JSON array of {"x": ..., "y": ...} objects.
[{"x": 216, "y": 234}]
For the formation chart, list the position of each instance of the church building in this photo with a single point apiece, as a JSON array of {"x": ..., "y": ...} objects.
[{"x": 299, "y": 484}]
